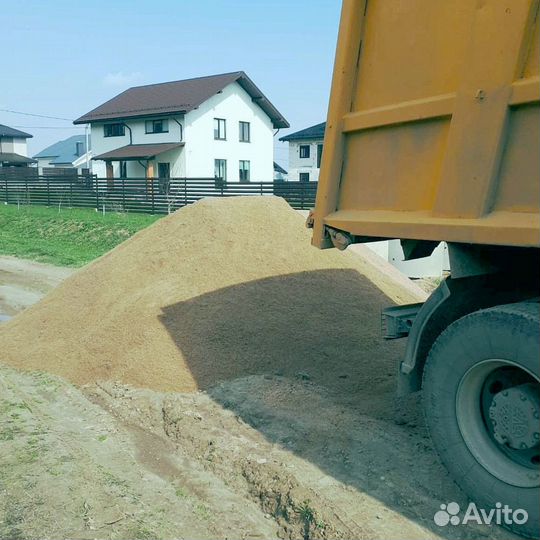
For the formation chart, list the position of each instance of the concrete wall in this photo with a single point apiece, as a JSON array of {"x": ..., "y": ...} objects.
[
  {"x": 234, "y": 105},
  {"x": 298, "y": 164},
  {"x": 432, "y": 266}
]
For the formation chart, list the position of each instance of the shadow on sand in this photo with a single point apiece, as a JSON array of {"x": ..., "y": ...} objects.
[{"x": 321, "y": 328}]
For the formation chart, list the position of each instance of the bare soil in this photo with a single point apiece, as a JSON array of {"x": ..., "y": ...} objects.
[
  {"x": 238, "y": 390},
  {"x": 23, "y": 283},
  {"x": 264, "y": 456}
]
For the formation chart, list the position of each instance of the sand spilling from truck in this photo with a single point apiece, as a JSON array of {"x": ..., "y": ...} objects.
[{"x": 220, "y": 289}]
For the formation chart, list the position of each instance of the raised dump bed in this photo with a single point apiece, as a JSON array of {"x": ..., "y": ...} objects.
[{"x": 433, "y": 128}]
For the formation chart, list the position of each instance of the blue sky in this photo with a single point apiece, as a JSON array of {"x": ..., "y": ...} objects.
[{"x": 66, "y": 57}]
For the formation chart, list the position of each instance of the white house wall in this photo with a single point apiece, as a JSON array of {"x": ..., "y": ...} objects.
[
  {"x": 20, "y": 147},
  {"x": 298, "y": 165},
  {"x": 234, "y": 105},
  {"x": 101, "y": 144},
  {"x": 6, "y": 145},
  {"x": 177, "y": 161},
  {"x": 14, "y": 145}
]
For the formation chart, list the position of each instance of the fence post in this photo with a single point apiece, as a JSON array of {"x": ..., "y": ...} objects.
[
  {"x": 97, "y": 194},
  {"x": 261, "y": 188},
  {"x": 123, "y": 194},
  {"x": 48, "y": 192},
  {"x": 71, "y": 192},
  {"x": 152, "y": 192},
  {"x": 7, "y": 194},
  {"x": 185, "y": 191},
  {"x": 26, "y": 191},
  {"x": 302, "y": 195}
]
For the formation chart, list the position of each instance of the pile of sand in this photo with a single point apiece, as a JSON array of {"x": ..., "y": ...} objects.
[{"x": 220, "y": 289}]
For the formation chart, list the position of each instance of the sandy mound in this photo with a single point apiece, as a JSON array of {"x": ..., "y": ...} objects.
[{"x": 220, "y": 289}]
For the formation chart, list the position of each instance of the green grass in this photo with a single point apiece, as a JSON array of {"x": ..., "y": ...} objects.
[{"x": 66, "y": 237}]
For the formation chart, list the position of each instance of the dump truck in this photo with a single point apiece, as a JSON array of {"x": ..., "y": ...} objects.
[{"x": 433, "y": 135}]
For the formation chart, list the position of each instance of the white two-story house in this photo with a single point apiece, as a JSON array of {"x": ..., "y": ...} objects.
[
  {"x": 13, "y": 148},
  {"x": 305, "y": 153},
  {"x": 220, "y": 126}
]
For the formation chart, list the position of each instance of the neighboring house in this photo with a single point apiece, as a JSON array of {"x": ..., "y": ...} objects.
[
  {"x": 69, "y": 153},
  {"x": 13, "y": 148},
  {"x": 220, "y": 126},
  {"x": 305, "y": 153},
  {"x": 279, "y": 172}
]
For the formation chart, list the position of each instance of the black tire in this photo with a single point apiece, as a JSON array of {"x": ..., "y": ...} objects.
[{"x": 511, "y": 333}]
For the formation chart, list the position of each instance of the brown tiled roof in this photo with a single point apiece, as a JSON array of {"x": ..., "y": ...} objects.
[
  {"x": 177, "y": 97},
  {"x": 137, "y": 151}
]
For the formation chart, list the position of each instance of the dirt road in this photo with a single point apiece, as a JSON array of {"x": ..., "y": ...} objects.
[{"x": 23, "y": 283}]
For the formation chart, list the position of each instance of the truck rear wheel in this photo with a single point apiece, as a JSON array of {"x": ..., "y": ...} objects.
[{"x": 482, "y": 406}]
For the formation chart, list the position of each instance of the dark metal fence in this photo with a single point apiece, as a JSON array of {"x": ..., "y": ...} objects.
[{"x": 158, "y": 196}]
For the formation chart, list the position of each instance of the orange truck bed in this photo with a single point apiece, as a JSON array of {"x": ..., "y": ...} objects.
[{"x": 433, "y": 129}]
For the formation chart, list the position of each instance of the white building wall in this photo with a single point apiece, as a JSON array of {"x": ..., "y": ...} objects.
[
  {"x": 14, "y": 145},
  {"x": 43, "y": 162},
  {"x": 102, "y": 144},
  {"x": 234, "y": 105},
  {"x": 20, "y": 147},
  {"x": 298, "y": 164},
  {"x": 177, "y": 161},
  {"x": 6, "y": 145}
]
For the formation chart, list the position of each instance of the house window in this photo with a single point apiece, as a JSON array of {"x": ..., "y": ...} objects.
[
  {"x": 220, "y": 132},
  {"x": 114, "y": 130},
  {"x": 244, "y": 171},
  {"x": 244, "y": 128},
  {"x": 123, "y": 169},
  {"x": 78, "y": 148},
  {"x": 319, "y": 155},
  {"x": 304, "y": 177},
  {"x": 157, "y": 126},
  {"x": 305, "y": 150},
  {"x": 220, "y": 169}
]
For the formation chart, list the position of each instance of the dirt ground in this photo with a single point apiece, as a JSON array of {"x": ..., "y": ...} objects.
[
  {"x": 277, "y": 454},
  {"x": 23, "y": 283},
  {"x": 257, "y": 457}
]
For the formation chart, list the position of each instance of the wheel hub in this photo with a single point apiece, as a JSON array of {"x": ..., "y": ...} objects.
[{"x": 514, "y": 414}]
